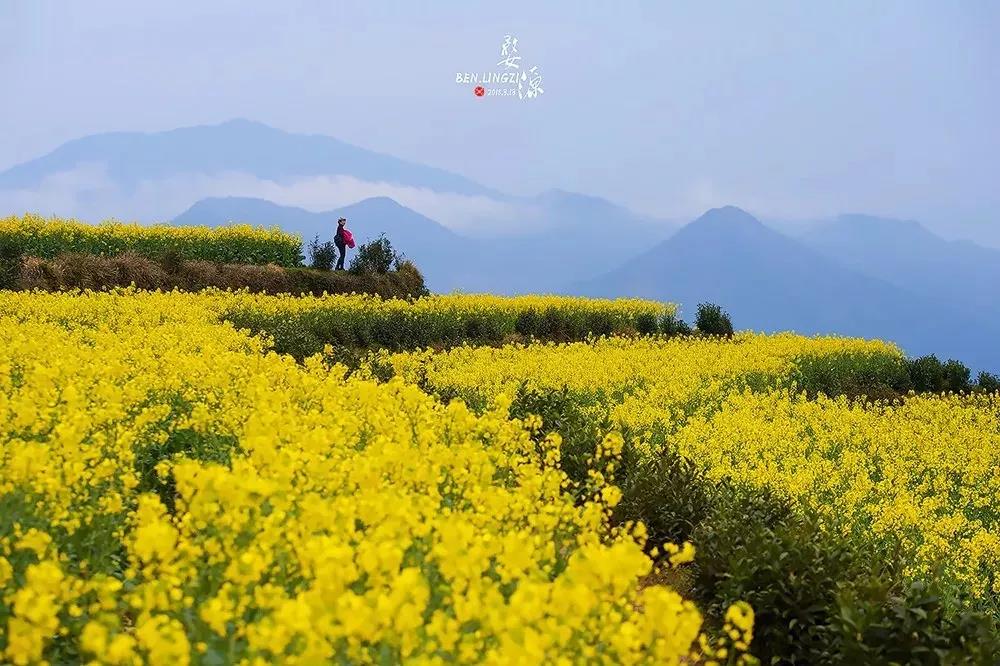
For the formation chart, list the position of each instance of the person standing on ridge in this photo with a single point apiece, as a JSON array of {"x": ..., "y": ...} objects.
[{"x": 342, "y": 239}]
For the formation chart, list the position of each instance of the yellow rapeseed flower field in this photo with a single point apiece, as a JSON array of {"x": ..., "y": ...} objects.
[
  {"x": 172, "y": 493},
  {"x": 926, "y": 471},
  {"x": 36, "y": 236}
]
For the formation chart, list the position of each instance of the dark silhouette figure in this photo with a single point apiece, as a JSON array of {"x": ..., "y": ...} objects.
[{"x": 341, "y": 243}]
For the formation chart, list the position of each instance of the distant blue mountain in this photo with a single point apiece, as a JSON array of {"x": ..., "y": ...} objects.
[
  {"x": 234, "y": 146},
  {"x": 771, "y": 282},
  {"x": 856, "y": 275},
  {"x": 909, "y": 256},
  {"x": 568, "y": 236},
  {"x": 578, "y": 237}
]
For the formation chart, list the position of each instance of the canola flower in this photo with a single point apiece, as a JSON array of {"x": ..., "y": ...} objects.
[
  {"x": 366, "y": 321},
  {"x": 642, "y": 381},
  {"x": 924, "y": 471},
  {"x": 36, "y": 236},
  {"x": 459, "y": 304},
  {"x": 172, "y": 493}
]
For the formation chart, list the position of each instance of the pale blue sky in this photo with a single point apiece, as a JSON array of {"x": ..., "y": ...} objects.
[{"x": 791, "y": 109}]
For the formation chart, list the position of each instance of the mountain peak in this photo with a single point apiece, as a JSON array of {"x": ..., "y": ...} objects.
[
  {"x": 727, "y": 215},
  {"x": 725, "y": 224},
  {"x": 243, "y": 122},
  {"x": 380, "y": 202}
]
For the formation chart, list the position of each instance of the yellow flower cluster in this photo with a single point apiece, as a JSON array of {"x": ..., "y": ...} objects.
[
  {"x": 458, "y": 304},
  {"x": 926, "y": 471},
  {"x": 455, "y": 318},
  {"x": 644, "y": 381},
  {"x": 172, "y": 493},
  {"x": 33, "y": 235}
]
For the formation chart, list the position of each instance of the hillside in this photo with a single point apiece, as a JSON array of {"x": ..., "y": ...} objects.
[
  {"x": 771, "y": 282},
  {"x": 906, "y": 254}
]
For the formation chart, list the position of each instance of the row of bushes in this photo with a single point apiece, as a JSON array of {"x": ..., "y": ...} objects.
[
  {"x": 881, "y": 377},
  {"x": 303, "y": 329},
  {"x": 87, "y": 271},
  {"x": 36, "y": 236},
  {"x": 929, "y": 374},
  {"x": 710, "y": 319},
  {"x": 818, "y": 598}
]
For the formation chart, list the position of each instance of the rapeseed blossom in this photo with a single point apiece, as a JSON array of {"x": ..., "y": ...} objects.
[
  {"x": 171, "y": 492},
  {"x": 33, "y": 235},
  {"x": 924, "y": 471}
]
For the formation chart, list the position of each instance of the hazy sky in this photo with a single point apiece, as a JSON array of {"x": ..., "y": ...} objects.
[{"x": 797, "y": 109}]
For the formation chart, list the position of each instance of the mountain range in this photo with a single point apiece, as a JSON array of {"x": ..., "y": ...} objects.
[
  {"x": 906, "y": 254},
  {"x": 236, "y": 146},
  {"x": 853, "y": 275},
  {"x": 771, "y": 282},
  {"x": 562, "y": 250}
]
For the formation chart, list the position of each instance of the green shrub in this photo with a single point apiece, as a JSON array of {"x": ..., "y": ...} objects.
[
  {"x": 988, "y": 382},
  {"x": 671, "y": 324},
  {"x": 376, "y": 257},
  {"x": 646, "y": 324},
  {"x": 10, "y": 262},
  {"x": 667, "y": 492},
  {"x": 528, "y": 322},
  {"x": 879, "y": 624},
  {"x": 598, "y": 322},
  {"x": 412, "y": 279},
  {"x": 957, "y": 377},
  {"x": 875, "y": 376},
  {"x": 553, "y": 326},
  {"x": 322, "y": 254},
  {"x": 820, "y": 597},
  {"x": 713, "y": 320},
  {"x": 757, "y": 548},
  {"x": 928, "y": 374}
]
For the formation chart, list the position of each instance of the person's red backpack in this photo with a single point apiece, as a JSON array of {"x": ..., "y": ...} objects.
[{"x": 348, "y": 238}]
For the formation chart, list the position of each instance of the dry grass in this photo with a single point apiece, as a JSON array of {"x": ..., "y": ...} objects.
[{"x": 84, "y": 271}]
